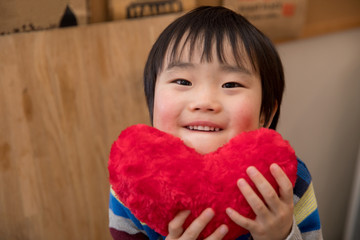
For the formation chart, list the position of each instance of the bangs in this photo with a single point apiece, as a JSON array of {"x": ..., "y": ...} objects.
[{"x": 223, "y": 46}]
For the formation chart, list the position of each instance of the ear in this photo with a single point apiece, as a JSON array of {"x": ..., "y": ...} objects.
[{"x": 262, "y": 118}]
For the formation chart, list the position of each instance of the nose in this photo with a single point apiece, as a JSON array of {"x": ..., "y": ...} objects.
[{"x": 205, "y": 101}]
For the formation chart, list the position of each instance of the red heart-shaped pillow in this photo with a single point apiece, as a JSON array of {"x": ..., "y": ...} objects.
[{"x": 156, "y": 175}]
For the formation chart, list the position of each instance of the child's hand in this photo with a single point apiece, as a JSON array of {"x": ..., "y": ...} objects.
[
  {"x": 176, "y": 231},
  {"x": 274, "y": 217}
]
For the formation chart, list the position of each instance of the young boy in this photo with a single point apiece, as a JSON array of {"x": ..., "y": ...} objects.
[{"x": 210, "y": 76}]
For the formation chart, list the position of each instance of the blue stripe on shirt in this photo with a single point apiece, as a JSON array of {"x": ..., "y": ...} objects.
[
  {"x": 311, "y": 223},
  {"x": 303, "y": 172},
  {"x": 117, "y": 207},
  {"x": 120, "y": 210}
]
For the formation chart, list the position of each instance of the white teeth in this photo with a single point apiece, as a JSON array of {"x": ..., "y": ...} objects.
[{"x": 204, "y": 128}]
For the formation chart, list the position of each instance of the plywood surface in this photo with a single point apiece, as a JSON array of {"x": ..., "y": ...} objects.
[{"x": 65, "y": 95}]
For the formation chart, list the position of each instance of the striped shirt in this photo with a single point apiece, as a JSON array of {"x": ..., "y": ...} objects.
[{"x": 125, "y": 226}]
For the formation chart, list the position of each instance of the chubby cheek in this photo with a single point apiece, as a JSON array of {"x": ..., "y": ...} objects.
[
  {"x": 246, "y": 118},
  {"x": 165, "y": 113}
]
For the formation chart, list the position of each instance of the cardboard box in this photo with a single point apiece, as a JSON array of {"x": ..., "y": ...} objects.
[
  {"x": 25, "y": 16},
  {"x": 125, "y": 9},
  {"x": 278, "y": 19}
]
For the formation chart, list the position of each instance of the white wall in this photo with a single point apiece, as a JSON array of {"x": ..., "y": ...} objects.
[{"x": 321, "y": 117}]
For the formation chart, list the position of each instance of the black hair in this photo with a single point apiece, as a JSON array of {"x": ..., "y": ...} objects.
[{"x": 220, "y": 24}]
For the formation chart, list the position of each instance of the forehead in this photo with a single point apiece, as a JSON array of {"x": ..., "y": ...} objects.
[{"x": 211, "y": 48}]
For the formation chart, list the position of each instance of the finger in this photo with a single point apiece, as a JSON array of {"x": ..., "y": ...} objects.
[
  {"x": 285, "y": 185},
  {"x": 240, "y": 220},
  {"x": 253, "y": 199},
  {"x": 265, "y": 188},
  {"x": 175, "y": 226},
  {"x": 219, "y": 233},
  {"x": 196, "y": 227}
]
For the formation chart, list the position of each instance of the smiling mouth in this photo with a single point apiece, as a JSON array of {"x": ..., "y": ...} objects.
[{"x": 204, "y": 128}]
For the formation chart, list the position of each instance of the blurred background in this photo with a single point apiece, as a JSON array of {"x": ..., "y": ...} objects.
[{"x": 71, "y": 80}]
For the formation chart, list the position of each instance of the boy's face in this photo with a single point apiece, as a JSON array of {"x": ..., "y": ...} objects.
[{"x": 207, "y": 103}]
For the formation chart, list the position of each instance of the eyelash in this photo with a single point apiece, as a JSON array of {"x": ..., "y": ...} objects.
[
  {"x": 182, "y": 82},
  {"x": 232, "y": 85}
]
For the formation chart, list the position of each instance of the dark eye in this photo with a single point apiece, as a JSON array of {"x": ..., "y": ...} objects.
[
  {"x": 182, "y": 82},
  {"x": 231, "y": 85}
]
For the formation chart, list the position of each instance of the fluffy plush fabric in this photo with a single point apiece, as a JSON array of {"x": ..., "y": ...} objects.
[{"x": 155, "y": 175}]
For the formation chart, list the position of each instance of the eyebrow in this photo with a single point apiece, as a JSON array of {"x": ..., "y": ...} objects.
[
  {"x": 180, "y": 65},
  {"x": 235, "y": 69},
  {"x": 224, "y": 67}
]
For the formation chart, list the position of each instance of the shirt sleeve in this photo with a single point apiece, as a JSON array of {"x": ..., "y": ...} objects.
[
  {"x": 306, "y": 214},
  {"x": 295, "y": 232},
  {"x": 124, "y": 225}
]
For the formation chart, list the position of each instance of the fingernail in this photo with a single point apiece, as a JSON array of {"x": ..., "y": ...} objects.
[
  {"x": 274, "y": 166},
  {"x": 223, "y": 229},
  {"x": 209, "y": 213},
  {"x": 229, "y": 211},
  {"x": 251, "y": 171},
  {"x": 187, "y": 212},
  {"x": 241, "y": 182}
]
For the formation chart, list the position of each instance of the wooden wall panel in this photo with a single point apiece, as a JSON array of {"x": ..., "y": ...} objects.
[
  {"x": 327, "y": 16},
  {"x": 65, "y": 95}
]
